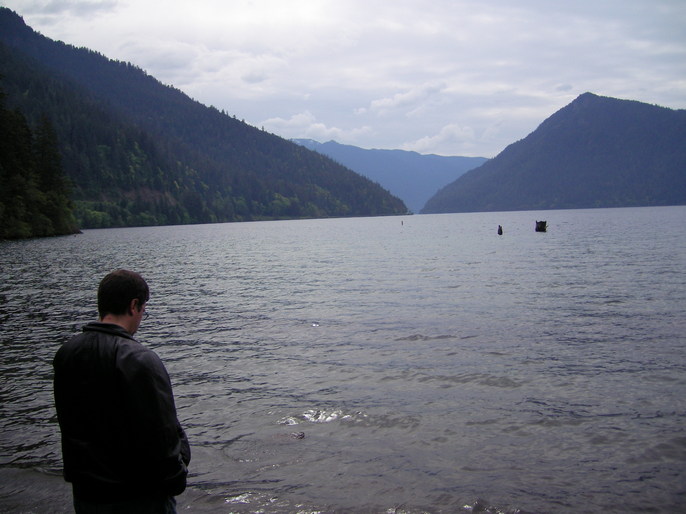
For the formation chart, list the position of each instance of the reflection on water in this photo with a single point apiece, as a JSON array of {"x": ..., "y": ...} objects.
[{"x": 369, "y": 364}]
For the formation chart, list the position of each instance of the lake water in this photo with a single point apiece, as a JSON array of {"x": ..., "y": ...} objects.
[{"x": 431, "y": 365}]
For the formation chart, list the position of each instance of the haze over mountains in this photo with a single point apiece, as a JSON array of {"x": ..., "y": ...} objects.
[
  {"x": 410, "y": 176},
  {"x": 595, "y": 152}
]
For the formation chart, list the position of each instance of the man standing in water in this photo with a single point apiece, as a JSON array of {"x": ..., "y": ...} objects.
[{"x": 124, "y": 450}]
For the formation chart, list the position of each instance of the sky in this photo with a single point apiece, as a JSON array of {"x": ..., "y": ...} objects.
[{"x": 448, "y": 77}]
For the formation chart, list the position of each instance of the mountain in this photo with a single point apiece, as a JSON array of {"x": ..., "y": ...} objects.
[
  {"x": 411, "y": 176},
  {"x": 595, "y": 152},
  {"x": 138, "y": 152}
]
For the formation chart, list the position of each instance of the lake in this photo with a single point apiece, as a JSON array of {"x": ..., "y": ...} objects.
[{"x": 394, "y": 364}]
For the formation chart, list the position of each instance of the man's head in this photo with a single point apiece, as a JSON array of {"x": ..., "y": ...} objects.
[{"x": 122, "y": 293}]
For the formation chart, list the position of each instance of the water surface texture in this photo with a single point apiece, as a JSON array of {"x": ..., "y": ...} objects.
[{"x": 410, "y": 364}]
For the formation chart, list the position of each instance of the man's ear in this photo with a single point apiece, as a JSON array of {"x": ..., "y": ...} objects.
[{"x": 132, "y": 306}]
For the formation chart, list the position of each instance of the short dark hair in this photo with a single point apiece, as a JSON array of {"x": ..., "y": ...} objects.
[{"x": 117, "y": 290}]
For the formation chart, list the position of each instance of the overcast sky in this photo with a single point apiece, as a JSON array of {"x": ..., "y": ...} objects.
[{"x": 451, "y": 77}]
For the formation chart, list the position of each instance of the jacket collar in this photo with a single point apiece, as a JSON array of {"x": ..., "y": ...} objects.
[{"x": 107, "y": 328}]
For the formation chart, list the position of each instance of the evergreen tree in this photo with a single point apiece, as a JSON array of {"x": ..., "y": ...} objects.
[
  {"x": 57, "y": 206},
  {"x": 18, "y": 189}
]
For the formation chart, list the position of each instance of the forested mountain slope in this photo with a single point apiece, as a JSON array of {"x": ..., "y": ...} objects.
[
  {"x": 141, "y": 153},
  {"x": 595, "y": 152}
]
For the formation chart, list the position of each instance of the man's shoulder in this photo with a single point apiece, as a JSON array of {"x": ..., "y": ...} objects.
[
  {"x": 137, "y": 362},
  {"x": 132, "y": 353},
  {"x": 113, "y": 344},
  {"x": 100, "y": 339}
]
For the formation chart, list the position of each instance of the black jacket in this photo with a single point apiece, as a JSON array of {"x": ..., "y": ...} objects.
[{"x": 121, "y": 438}]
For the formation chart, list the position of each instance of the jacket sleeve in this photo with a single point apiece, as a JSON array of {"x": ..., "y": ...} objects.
[
  {"x": 185, "y": 446},
  {"x": 159, "y": 443}
]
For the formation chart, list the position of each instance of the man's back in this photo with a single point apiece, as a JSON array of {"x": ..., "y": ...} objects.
[{"x": 121, "y": 439}]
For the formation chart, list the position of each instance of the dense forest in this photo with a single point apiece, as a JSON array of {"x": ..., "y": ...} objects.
[
  {"x": 35, "y": 195},
  {"x": 595, "y": 152},
  {"x": 138, "y": 152}
]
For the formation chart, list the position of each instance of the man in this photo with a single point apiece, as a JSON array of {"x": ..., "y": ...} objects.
[{"x": 123, "y": 447}]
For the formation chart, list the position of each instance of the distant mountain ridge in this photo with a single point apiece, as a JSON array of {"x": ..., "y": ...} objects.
[
  {"x": 142, "y": 153},
  {"x": 595, "y": 152},
  {"x": 410, "y": 176}
]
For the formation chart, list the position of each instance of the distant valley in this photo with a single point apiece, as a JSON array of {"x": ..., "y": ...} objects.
[
  {"x": 412, "y": 177},
  {"x": 595, "y": 152}
]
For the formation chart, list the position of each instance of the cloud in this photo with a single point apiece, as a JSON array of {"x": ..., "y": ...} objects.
[
  {"x": 410, "y": 98},
  {"x": 254, "y": 77},
  {"x": 305, "y": 125},
  {"x": 449, "y": 136},
  {"x": 78, "y": 8}
]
